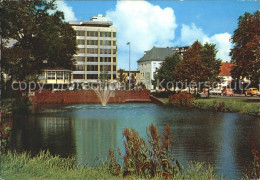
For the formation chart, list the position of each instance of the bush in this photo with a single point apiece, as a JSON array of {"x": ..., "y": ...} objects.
[
  {"x": 163, "y": 94},
  {"x": 6, "y": 123},
  {"x": 181, "y": 99},
  {"x": 147, "y": 161}
]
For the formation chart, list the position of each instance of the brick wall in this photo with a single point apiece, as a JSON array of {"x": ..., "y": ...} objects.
[{"x": 68, "y": 97}]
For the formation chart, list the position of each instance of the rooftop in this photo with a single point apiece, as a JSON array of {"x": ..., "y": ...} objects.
[
  {"x": 157, "y": 54},
  {"x": 95, "y": 21},
  {"x": 225, "y": 69}
]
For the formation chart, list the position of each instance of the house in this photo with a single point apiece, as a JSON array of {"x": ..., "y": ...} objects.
[{"x": 151, "y": 61}]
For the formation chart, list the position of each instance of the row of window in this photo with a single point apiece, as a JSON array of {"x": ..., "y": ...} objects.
[
  {"x": 91, "y": 76},
  {"x": 95, "y": 42},
  {"x": 95, "y": 68},
  {"x": 95, "y": 34},
  {"x": 95, "y": 51},
  {"x": 59, "y": 75},
  {"x": 95, "y": 59}
]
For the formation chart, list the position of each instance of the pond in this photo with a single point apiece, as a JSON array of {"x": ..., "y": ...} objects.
[{"x": 88, "y": 131}]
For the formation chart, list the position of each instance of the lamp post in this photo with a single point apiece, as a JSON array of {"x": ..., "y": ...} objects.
[{"x": 129, "y": 64}]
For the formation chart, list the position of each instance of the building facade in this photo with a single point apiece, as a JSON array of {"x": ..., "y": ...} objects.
[
  {"x": 151, "y": 61},
  {"x": 97, "y": 50}
]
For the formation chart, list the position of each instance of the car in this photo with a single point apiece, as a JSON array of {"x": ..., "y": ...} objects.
[
  {"x": 216, "y": 91},
  {"x": 251, "y": 91},
  {"x": 229, "y": 92},
  {"x": 258, "y": 93}
]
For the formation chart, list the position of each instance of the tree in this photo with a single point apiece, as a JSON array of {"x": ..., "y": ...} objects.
[
  {"x": 245, "y": 54},
  {"x": 210, "y": 62},
  {"x": 191, "y": 69},
  {"x": 199, "y": 64},
  {"x": 35, "y": 39},
  {"x": 166, "y": 73}
]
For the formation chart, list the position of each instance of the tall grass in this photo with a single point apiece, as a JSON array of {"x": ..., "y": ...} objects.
[{"x": 45, "y": 166}]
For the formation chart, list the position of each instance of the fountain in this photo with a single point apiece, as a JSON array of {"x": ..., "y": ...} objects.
[{"x": 103, "y": 93}]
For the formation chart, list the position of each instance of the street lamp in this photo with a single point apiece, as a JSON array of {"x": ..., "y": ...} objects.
[{"x": 129, "y": 64}]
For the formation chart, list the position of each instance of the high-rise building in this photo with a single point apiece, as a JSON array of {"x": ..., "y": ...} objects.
[{"x": 97, "y": 50}]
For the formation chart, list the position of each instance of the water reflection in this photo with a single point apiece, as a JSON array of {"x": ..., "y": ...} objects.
[{"x": 89, "y": 131}]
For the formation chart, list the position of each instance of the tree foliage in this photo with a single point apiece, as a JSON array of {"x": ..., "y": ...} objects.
[
  {"x": 246, "y": 52},
  {"x": 34, "y": 38},
  {"x": 166, "y": 73},
  {"x": 199, "y": 64},
  {"x": 191, "y": 67}
]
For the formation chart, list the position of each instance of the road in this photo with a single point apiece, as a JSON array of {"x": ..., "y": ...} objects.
[{"x": 237, "y": 96}]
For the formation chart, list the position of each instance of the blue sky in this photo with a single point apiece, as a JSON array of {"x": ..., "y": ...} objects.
[{"x": 164, "y": 23}]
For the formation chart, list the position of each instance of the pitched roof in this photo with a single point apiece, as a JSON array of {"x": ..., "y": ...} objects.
[
  {"x": 157, "y": 54},
  {"x": 225, "y": 69}
]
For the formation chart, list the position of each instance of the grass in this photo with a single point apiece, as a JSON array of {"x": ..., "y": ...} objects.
[
  {"x": 46, "y": 166},
  {"x": 237, "y": 105}
]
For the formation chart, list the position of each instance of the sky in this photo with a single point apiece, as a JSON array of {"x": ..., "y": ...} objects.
[{"x": 164, "y": 23}]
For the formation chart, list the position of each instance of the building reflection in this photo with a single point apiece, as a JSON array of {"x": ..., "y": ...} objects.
[
  {"x": 94, "y": 138},
  {"x": 38, "y": 133}
]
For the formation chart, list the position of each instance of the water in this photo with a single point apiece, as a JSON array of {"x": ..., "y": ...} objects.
[{"x": 88, "y": 131}]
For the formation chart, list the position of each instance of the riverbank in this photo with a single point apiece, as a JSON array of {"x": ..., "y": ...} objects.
[
  {"x": 237, "y": 105},
  {"x": 46, "y": 166}
]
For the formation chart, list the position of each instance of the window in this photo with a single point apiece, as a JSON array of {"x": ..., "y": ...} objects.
[
  {"x": 80, "y": 42},
  {"x": 114, "y": 68},
  {"x": 114, "y": 34},
  {"x": 114, "y": 59},
  {"x": 105, "y": 34},
  {"x": 92, "y": 68},
  {"x": 80, "y": 33},
  {"x": 51, "y": 75},
  {"x": 59, "y": 75},
  {"x": 78, "y": 76},
  {"x": 92, "y": 33},
  {"x": 92, "y": 42},
  {"x": 105, "y": 43},
  {"x": 80, "y": 59},
  {"x": 92, "y": 76},
  {"x": 66, "y": 75},
  {"x": 81, "y": 50},
  {"x": 92, "y": 50},
  {"x": 92, "y": 59}
]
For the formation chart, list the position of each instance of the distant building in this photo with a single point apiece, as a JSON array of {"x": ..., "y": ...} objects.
[
  {"x": 55, "y": 76},
  {"x": 151, "y": 61},
  {"x": 97, "y": 50},
  {"x": 225, "y": 75},
  {"x": 125, "y": 73}
]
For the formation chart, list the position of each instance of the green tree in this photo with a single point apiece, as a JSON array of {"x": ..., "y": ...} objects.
[
  {"x": 210, "y": 62},
  {"x": 245, "y": 54},
  {"x": 35, "y": 39},
  {"x": 191, "y": 68},
  {"x": 166, "y": 73}
]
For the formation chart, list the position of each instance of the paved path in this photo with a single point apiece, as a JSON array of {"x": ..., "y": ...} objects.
[{"x": 238, "y": 96}]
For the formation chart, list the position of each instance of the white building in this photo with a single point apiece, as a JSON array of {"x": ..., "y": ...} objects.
[
  {"x": 97, "y": 50},
  {"x": 151, "y": 61}
]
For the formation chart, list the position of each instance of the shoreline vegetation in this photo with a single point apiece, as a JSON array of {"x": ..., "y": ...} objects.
[
  {"x": 234, "y": 105},
  {"x": 46, "y": 166}
]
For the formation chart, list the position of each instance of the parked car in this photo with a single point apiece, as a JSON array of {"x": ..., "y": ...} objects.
[
  {"x": 258, "y": 93},
  {"x": 229, "y": 92},
  {"x": 216, "y": 92},
  {"x": 251, "y": 91}
]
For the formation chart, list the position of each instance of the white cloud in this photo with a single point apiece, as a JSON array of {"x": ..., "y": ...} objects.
[
  {"x": 189, "y": 34},
  {"x": 144, "y": 25},
  {"x": 68, "y": 11}
]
